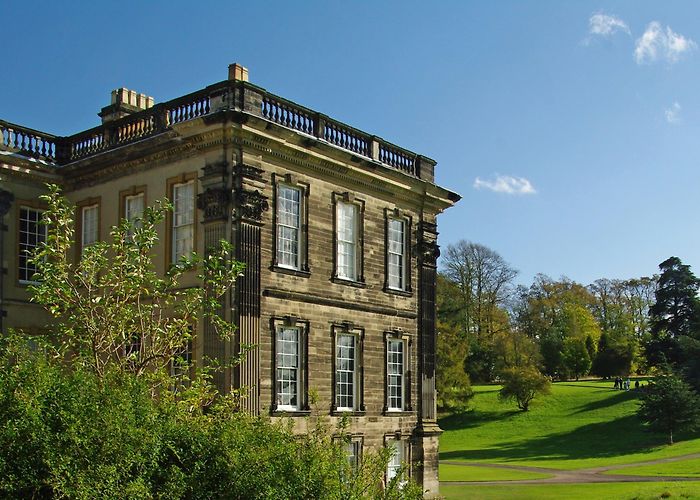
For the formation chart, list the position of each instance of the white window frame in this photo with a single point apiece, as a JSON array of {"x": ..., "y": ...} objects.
[
  {"x": 391, "y": 251},
  {"x": 132, "y": 213},
  {"x": 353, "y": 452},
  {"x": 28, "y": 241},
  {"x": 392, "y": 367},
  {"x": 89, "y": 229},
  {"x": 292, "y": 361},
  {"x": 183, "y": 220},
  {"x": 341, "y": 373},
  {"x": 350, "y": 244},
  {"x": 293, "y": 227},
  {"x": 398, "y": 448}
]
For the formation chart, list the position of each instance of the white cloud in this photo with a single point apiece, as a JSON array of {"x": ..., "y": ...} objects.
[
  {"x": 658, "y": 43},
  {"x": 506, "y": 184},
  {"x": 606, "y": 26},
  {"x": 673, "y": 113}
]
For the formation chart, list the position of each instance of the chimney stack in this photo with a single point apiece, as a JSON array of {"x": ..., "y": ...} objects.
[
  {"x": 237, "y": 72},
  {"x": 125, "y": 102}
]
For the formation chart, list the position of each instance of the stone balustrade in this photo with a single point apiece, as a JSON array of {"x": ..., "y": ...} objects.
[{"x": 227, "y": 95}]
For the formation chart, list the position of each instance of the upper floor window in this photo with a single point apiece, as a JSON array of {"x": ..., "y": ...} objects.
[
  {"x": 348, "y": 239},
  {"x": 133, "y": 207},
  {"x": 289, "y": 222},
  {"x": 396, "y": 254},
  {"x": 290, "y": 238},
  {"x": 89, "y": 227},
  {"x": 182, "y": 220},
  {"x": 31, "y": 234}
]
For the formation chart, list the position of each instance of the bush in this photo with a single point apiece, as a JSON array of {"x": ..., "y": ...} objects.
[
  {"x": 71, "y": 433},
  {"x": 670, "y": 405},
  {"x": 523, "y": 384}
]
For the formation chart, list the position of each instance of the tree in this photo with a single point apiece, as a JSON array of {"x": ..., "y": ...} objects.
[
  {"x": 474, "y": 289},
  {"x": 452, "y": 382},
  {"x": 670, "y": 405},
  {"x": 112, "y": 308},
  {"x": 675, "y": 314},
  {"x": 484, "y": 280},
  {"x": 575, "y": 357},
  {"x": 553, "y": 311},
  {"x": 523, "y": 384}
]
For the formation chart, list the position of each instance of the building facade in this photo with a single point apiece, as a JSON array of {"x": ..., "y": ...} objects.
[{"x": 337, "y": 229}]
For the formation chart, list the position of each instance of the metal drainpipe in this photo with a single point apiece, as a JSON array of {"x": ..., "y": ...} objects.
[{"x": 6, "y": 199}]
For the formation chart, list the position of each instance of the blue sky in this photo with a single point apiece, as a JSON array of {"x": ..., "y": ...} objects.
[{"x": 588, "y": 112}]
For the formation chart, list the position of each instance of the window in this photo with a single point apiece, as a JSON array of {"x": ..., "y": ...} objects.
[
  {"x": 89, "y": 225},
  {"x": 132, "y": 350},
  {"x": 289, "y": 217},
  {"x": 181, "y": 362},
  {"x": 133, "y": 207},
  {"x": 345, "y": 372},
  {"x": 347, "y": 241},
  {"x": 396, "y": 446},
  {"x": 352, "y": 452},
  {"x": 288, "y": 368},
  {"x": 31, "y": 234},
  {"x": 396, "y": 254},
  {"x": 395, "y": 375},
  {"x": 182, "y": 220}
]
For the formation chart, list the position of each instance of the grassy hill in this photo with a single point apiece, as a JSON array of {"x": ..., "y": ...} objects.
[{"x": 580, "y": 425}]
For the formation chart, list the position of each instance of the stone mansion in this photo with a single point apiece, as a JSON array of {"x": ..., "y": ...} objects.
[{"x": 336, "y": 226}]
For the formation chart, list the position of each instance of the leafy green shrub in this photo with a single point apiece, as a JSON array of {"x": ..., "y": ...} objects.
[
  {"x": 670, "y": 405},
  {"x": 71, "y": 433},
  {"x": 523, "y": 384}
]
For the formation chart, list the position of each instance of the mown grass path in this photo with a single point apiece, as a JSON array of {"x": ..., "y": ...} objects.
[{"x": 592, "y": 475}]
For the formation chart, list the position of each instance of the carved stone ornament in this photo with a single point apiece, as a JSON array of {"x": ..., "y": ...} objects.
[
  {"x": 248, "y": 172},
  {"x": 214, "y": 203},
  {"x": 429, "y": 251},
  {"x": 251, "y": 205}
]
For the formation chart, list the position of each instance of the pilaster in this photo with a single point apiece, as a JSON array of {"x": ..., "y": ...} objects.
[
  {"x": 248, "y": 209},
  {"x": 214, "y": 202},
  {"x": 428, "y": 432}
]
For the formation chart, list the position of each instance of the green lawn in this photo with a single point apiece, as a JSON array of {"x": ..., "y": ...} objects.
[
  {"x": 597, "y": 491},
  {"x": 472, "y": 473},
  {"x": 580, "y": 425},
  {"x": 680, "y": 468}
]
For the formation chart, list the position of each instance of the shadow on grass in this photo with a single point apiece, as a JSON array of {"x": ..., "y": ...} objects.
[
  {"x": 613, "y": 400},
  {"x": 581, "y": 385},
  {"x": 621, "y": 436},
  {"x": 473, "y": 418}
]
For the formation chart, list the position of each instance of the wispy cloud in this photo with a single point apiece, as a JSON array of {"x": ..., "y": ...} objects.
[
  {"x": 673, "y": 113},
  {"x": 506, "y": 184},
  {"x": 605, "y": 25},
  {"x": 658, "y": 43}
]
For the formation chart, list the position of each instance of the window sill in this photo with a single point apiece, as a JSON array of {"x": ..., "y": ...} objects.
[
  {"x": 348, "y": 282},
  {"x": 396, "y": 291},
  {"x": 398, "y": 413},
  {"x": 290, "y": 413},
  {"x": 348, "y": 413},
  {"x": 292, "y": 272}
]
